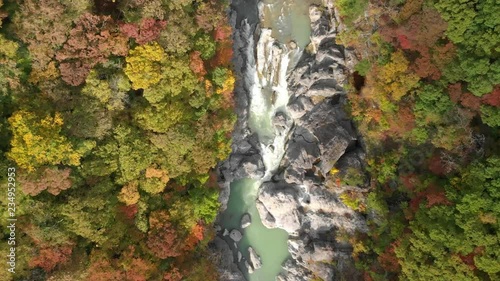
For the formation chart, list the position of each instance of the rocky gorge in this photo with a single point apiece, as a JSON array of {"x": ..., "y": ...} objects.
[{"x": 317, "y": 136}]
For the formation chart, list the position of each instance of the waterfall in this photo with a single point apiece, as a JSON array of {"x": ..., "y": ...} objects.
[{"x": 269, "y": 96}]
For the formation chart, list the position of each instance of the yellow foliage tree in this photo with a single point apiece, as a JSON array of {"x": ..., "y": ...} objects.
[
  {"x": 144, "y": 65},
  {"x": 8, "y": 48},
  {"x": 50, "y": 72},
  {"x": 156, "y": 180},
  {"x": 38, "y": 142},
  {"x": 393, "y": 79},
  {"x": 129, "y": 193},
  {"x": 228, "y": 85}
]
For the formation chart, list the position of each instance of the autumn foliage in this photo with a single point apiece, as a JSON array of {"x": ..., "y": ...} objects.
[
  {"x": 51, "y": 179},
  {"x": 50, "y": 257},
  {"x": 91, "y": 41},
  {"x": 106, "y": 118},
  {"x": 146, "y": 31},
  {"x": 428, "y": 108},
  {"x": 163, "y": 240}
]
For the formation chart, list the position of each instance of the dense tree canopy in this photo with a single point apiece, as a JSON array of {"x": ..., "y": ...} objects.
[
  {"x": 106, "y": 117},
  {"x": 427, "y": 107}
]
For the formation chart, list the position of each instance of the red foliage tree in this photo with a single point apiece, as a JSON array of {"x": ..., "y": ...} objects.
[
  {"x": 91, "y": 41},
  {"x": 148, "y": 30},
  {"x": 410, "y": 181},
  {"x": 425, "y": 67},
  {"x": 455, "y": 92},
  {"x": 404, "y": 42},
  {"x": 388, "y": 259},
  {"x": 470, "y": 101},
  {"x": 492, "y": 98},
  {"x": 419, "y": 33},
  {"x": 436, "y": 166},
  {"x": 223, "y": 55},
  {"x": 163, "y": 240},
  {"x": 403, "y": 122},
  {"x": 223, "y": 32},
  {"x": 173, "y": 275},
  {"x": 129, "y": 211},
  {"x": 49, "y": 257},
  {"x": 468, "y": 260},
  {"x": 435, "y": 196}
]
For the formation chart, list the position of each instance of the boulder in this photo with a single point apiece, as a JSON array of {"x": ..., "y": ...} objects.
[
  {"x": 280, "y": 201},
  {"x": 235, "y": 235},
  {"x": 246, "y": 220}
]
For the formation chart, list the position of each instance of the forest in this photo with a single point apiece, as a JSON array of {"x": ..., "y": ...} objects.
[
  {"x": 425, "y": 95},
  {"x": 113, "y": 115}
]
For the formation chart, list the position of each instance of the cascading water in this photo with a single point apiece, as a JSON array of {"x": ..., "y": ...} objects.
[{"x": 268, "y": 97}]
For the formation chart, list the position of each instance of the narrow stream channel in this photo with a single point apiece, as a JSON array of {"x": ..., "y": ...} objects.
[{"x": 284, "y": 33}]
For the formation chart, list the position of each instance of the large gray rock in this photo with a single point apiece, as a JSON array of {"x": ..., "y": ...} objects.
[
  {"x": 279, "y": 203},
  {"x": 255, "y": 261},
  {"x": 246, "y": 166},
  {"x": 235, "y": 235}
]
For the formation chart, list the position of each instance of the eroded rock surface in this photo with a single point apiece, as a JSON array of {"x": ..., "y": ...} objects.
[{"x": 323, "y": 137}]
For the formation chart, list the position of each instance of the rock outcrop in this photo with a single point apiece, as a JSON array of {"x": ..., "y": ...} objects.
[
  {"x": 223, "y": 257},
  {"x": 323, "y": 137},
  {"x": 255, "y": 261}
]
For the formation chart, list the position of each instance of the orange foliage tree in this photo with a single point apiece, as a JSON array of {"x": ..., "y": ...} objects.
[
  {"x": 102, "y": 270},
  {"x": 196, "y": 64},
  {"x": 50, "y": 257}
]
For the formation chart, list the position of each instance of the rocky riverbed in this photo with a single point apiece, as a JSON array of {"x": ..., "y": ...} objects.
[{"x": 319, "y": 136}]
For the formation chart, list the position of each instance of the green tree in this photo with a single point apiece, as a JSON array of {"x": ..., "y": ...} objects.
[
  {"x": 135, "y": 154},
  {"x": 490, "y": 115}
]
